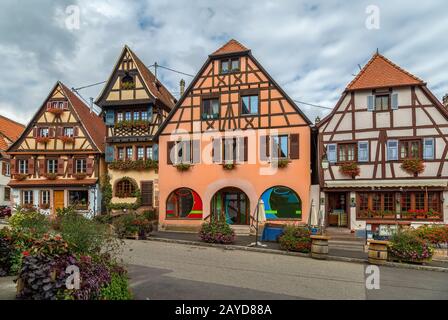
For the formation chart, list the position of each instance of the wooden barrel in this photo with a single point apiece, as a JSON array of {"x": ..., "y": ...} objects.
[
  {"x": 319, "y": 247},
  {"x": 377, "y": 252}
]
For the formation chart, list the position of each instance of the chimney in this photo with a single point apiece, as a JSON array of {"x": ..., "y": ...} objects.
[
  {"x": 91, "y": 104},
  {"x": 182, "y": 87},
  {"x": 445, "y": 100}
]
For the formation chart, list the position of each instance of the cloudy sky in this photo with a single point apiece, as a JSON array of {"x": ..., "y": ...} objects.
[{"x": 311, "y": 48}]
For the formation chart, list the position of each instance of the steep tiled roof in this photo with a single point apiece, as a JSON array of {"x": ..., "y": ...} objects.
[
  {"x": 158, "y": 90},
  {"x": 9, "y": 130},
  {"x": 90, "y": 120},
  {"x": 381, "y": 72},
  {"x": 232, "y": 46}
]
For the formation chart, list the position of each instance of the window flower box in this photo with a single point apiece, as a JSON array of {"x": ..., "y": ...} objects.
[
  {"x": 229, "y": 165},
  {"x": 67, "y": 139},
  {"x": 51, "y": 176},
  {"x": 20, "y": 176},
  {"x": 350, "y": 169},
  {"x": 56, "y": 111},
  {"x": 183, "y": 166},
  {"x": 79, "y": 176},
  {"x": 44, "y": 206},
  {"x": 127, "y": 85},
  {"x": 125, "y": 165},
  {"x": 413, "y": 166},
  {"x": 282, "y": 163},
  {"x": 129, "y": 124},
  {"x": 42, "y": 139}
]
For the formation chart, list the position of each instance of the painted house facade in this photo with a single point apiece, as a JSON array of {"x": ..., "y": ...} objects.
[
  {"x": 10, "y": 131},
  {"x": 233, "y": 139},
  {"x": 382, "y": 152},
  {"x": 134, "y": 104},
  {"x": 58, "y": 159}
]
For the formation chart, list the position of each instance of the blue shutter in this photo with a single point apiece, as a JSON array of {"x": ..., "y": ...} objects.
[
  {"x": 110, "y": 156},
  {"x": 428, "y": 148},
  {"x": 331, "y": 153},
  {"x": 392, "y": 150},
  {"x": 150, "y": 112},
  {"x": 110, "y": 117},
  {"x": 394, "y": 103},
  {"x": 370, "y": 103},
  {"x": 155, "y": 152},
  {"x": 363, "y": 151}
]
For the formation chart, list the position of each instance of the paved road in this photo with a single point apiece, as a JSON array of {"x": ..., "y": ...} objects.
[{"x": 174, "y": 271}]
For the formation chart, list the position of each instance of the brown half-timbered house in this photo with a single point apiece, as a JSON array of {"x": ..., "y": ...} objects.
[
  {"x": 233, "y": 139},
  {"x": 134, "y": 104},
  {"x": 58, "y": 159},
  {"x": 382, "y": 152}
]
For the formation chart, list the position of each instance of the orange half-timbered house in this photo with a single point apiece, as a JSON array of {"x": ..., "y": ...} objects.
[
  {"x": 58, "y": 159},
  {"x": 384, "y": 149},
  {"x": 233, "y": 139},
  {"x": 134, "y": 103}
]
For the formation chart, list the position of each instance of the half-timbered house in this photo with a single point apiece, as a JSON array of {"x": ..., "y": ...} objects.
[
  {"x": 134, "y": 104},
  {"x": 233, "y": 139},
  {"x": 10, "y": 131},
  {"x": 58, "y": 159},
  {"x": 382, "y": 152}
]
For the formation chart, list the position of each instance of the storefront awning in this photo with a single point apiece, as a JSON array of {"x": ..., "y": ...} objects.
[{"x": 396, "y": 183}]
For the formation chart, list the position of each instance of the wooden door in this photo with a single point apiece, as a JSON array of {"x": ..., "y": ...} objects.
[{"x": 58, "y": 199}]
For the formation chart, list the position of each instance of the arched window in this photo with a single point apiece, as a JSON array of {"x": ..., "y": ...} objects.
[
  {"x": 125, "y": 188},
  {"x": 282, "y": 203},
  {"x": 184, "y": 203}
]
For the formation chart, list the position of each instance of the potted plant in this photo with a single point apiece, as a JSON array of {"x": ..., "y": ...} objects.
[
  {"x": 42, "y": 139},
  {"x": 20, "y": 176},
  {"x": 51, "y": 176},
  {"x": 420, "y": 214},
  {"x": 433, "y": 215},
  {"x": 229, "y": 165},
  {"x": 296, "y": 238},
  {"x": 388, "y": 215},
  {"x": 127, "y": 85},
  {"x": 183, "y": 166},
  {"x": 79, "y": 176},
  {"x": 282, "y": 163},
  {"x": 44, "y": 206},
  {"x": 350, "y": 169},
  {"x": 407, "y": 246},
  {"x": 56, "y": 111},
  {"x": 413, "y": 166},
  {"x": 67, "y": 139}
]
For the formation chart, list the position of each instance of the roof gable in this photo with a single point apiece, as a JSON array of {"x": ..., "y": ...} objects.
[
  {"x": 232, "y": 46},
  {"x": 380, "y": 72},
  {"x": 10, "y": 131}
]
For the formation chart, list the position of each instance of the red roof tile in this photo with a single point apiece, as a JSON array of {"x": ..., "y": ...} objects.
[
  {"x": 9, "y": 130},
  {"x": 52, "y": 183},
  {"x": 232, "y": 46},
  {"x": 90, "y": 120},
  {"x": 381, "y": 72}
]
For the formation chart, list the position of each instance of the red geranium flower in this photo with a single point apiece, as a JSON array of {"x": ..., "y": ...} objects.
[{"x": 25, "y": 253}]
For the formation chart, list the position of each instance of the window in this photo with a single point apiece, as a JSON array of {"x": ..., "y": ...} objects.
[
  {"x": 382, "y": 102},
  {"x": 120, "y": 153},
  {"x": 434, "y": 201},
  {"x": 388, "y": 201},
  {"x": 52, "y": 165},
  {"x": 136, "y": 115},
  {"x": 23, "y": 166},
  {"x": 331, "y": 153},
  {"x": 410, "y": 149},
  {"x": 68, "y": 131},
  {"x": 144, "y": 115},
  {"x": 149, "y": 155},
  {"x": 7, "y": 194},
  {"x": 79, "y": 199},
  {"x": 363, "y": 202},
  {"x": 392, "y": 150},
  {"x": 405, "y": 202},
  {"x": 43, "y": 132},
  {"x": 419, "y": 200},
  {"x": 375, "y": 204},
  {"x": 45, "y": 197},
  {"x": 129, "y": 153},
  {"x": 81, "y": 165},
  {"x": 230, "y": 65},
  {"x": 230, "y": 149},
  {"x": 140, "y": 153},
  {"x": 184, "y": 203},
  {"x": 347, "y": 152},
  {"x": 128, "y": 116},
  {"x": 119, "y": 116},
  {"x": 249, "y": 105},
  {"x": 280, "y": 147},
  {"x": 27, "y": 197},
  {"x": 125, "y": 188},
  {"x": 428, "y": 148},
  {"x": 7, "y": 169},
  {"x": 210, "y": 108},
  {"x": 183, "y": 154},
  {"x": 424, "y": 201},
  {"x": 363, "y": 151},
  {"x": 282, "y": 203}
]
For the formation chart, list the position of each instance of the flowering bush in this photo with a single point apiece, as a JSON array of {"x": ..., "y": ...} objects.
[
  {"x": 132, "y": 224},
  {"x": 435, "y": 234},
  {"x": 350, "y": 169},
  {"x": 413, "y": 166},
  {"x": 296, "y": 238},
  {"x": 217, "y": 232},
  {"x": 408, "y": 246}
]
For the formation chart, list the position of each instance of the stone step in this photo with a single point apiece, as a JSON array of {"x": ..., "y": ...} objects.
[{"x": 241, "y": 230}]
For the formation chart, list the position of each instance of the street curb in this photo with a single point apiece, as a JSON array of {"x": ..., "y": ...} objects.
[{"x": 297, "y": 254}]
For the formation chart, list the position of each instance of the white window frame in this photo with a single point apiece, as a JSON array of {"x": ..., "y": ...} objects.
[
  {"x": 7, "y": 169},
  {"x": 184, "y": 145},
  {"x": 433, "y": 148},
  {"x": 45, "y": 130},
  {"x": 53, "y": 165},
  {"x": 335, "y": 152},
  {"x": 23, "y": 166},
  {"x": 83, "y": 165},
  {"x": 366, "y": 144},
  {"x": 67, "y": 134},
  {"x": 45, "y": 197},
  {"x": 28, "y": 197},
  {"x": 389, "y": 148},
  {"x": 275, "y": 156}
]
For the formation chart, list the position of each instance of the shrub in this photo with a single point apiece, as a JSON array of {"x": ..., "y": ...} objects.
[
  {"x": 435, "y": 234},
  {"x": 408, "y": 246},
  {"x": 117, "y": 289},
  {"x": 30, "y": 221},
  {"x": 296, "y": 238},
  {"x": 217, "y": 232},
  {"x": 94, "y": 275},
  {"x": 131, "y": 224},
  {"x": 6, "y": 256}
]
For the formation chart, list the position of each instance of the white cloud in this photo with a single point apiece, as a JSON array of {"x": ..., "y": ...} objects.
[{"x": 310, "y": 48}]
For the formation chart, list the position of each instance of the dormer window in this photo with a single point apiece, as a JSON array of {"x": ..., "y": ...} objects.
[
  {"x": 230, "y": 65},
  {"x": 127, "y": 82}
]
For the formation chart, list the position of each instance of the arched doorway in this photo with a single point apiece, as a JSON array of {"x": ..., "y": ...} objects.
[
  {"x": 282, "y": 203},
  {"x": 231, "y": 205},
  {"x": 184, "y": 203}
]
